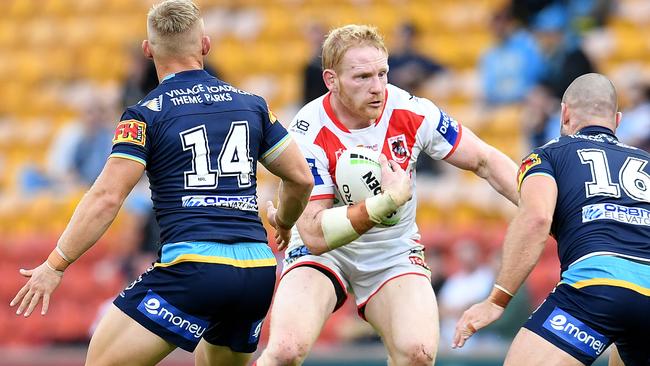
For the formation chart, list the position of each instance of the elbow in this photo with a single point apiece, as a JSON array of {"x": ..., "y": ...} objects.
[
  {"x": 107, "y": 201},
  {"x": 539, "y": 223}
]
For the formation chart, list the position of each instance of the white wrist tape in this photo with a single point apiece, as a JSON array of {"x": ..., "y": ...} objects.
[
  {"x": 337, "y": 228},
  {"x": 65, "y": 257},
  {"x": 379, "y": 206}
]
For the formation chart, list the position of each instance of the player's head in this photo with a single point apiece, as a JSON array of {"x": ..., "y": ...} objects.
[
  {"x": 175, "y": 32},
  {"x": 590, "y": 100},
  {"x": 355, "y": 70}
]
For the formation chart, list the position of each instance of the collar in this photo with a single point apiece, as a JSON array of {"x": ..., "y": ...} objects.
[
  {"x": 186, "y": 75},
  {"x": 596, "y": 130}
]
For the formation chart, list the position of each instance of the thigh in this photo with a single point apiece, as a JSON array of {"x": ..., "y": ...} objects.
[
  {"x": 303, "y": 302},
  {"x": 405, "y": 314},
  {"x": 209, "y": 354},
  {"x": 530, "y": 349},
  {"x": 120, "y": 340}
]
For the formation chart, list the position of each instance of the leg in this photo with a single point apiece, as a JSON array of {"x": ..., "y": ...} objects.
[
  {"x": 120, "y": 340},
  {"x": 614, "y": 357},
  {"x": 209, "y": 354},
  {"x": 530, "y": 349},
  {"x": 405, "y": 314},
  {"x": 303, "y": 301}
]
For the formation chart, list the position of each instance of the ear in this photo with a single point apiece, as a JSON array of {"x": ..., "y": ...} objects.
[
  {"x": 618, "y": 118},
  {"x": 205, "y": 45},
  {"x": 565, "y": 114},
  {"x": 331, "y": 80},
  {"x": 146, "y": 49}
]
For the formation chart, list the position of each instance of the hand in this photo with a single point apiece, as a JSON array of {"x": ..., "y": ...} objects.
[
  {"x": 282, "y": 234},
  {"x": 395, "y": 181},
  {"x": 478, "y": 316},
  {"x": 42, "y": 282}
]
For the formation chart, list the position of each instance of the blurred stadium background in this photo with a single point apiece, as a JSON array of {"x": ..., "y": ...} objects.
[{"x": 68, "y": 67}]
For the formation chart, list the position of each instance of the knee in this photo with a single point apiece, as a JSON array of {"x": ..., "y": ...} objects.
[
  {"x": 416, "y": 354},
  {"x": 285, "y": 354}
]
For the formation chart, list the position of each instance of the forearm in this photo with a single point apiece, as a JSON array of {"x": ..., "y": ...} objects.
[
  {"x": 293, "y": 198},
  {"x": 524, "y": 243},
  {"x": 92, "y": 217},
  {"x": 500, "y": 171}
]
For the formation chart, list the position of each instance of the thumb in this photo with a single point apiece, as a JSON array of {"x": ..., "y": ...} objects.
[
  {"x": 26, "y": 272},
  {"x": 384, "y": 164},
  {"x": 394, "y": 166}
]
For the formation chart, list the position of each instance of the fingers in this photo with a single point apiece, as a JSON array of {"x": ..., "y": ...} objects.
[
  {"x": 464, "y": 330},
  {"x": 32, "y": 304},
  {"x": 26, "y": 272},
  {"x": 46, "y": 304},
  {"x": 20, "y": 295},
  {"x": 384, "y": 165},
  {"x": 25, "y": 303},
  {"x": 394, "y": 166}
]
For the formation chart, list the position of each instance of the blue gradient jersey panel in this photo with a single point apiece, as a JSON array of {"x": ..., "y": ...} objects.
[
  {"x": 200, "y": 140},
  {"x": 603, "y": 203}
]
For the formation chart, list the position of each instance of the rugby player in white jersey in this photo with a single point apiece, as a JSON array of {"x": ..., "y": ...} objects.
[{"x": 338, "y": 248}]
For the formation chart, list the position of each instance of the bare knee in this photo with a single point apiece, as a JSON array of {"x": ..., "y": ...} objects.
[
  {"x": 285, "y": 354},
  {"x": 416, "y": 354}
]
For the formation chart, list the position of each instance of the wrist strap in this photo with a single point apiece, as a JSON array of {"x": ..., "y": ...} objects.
[
  {"x": 500, "y": 296},
  {"x": 337, "y": 228},
  {"x": 58, "y": 273},
  {"x": 56, "y": 261},
  {"x": 379, "y": 206}
]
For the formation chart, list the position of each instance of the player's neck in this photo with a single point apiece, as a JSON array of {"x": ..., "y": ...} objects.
[{"x": 168, "y": 67}]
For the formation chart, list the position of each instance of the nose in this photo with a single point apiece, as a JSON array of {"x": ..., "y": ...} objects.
[{"x": 376, "y": 86}]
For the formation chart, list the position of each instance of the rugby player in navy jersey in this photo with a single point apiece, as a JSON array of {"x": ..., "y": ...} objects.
[
  {"x": 199, "y": 140},
  {"x": 592, "y": 193}
]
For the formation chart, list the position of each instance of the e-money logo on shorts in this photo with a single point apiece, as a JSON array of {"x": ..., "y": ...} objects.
[
  {"x": 156, "y": 308},
  {"x": 575, "y": 332}
]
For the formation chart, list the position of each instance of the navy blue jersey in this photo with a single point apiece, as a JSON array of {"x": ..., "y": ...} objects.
[
  {"x": 200, "y": 140},
  {"x": 603, "y": 203}
]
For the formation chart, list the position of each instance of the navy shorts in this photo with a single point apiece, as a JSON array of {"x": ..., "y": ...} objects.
[
  {"x": 600, "y": 301},
  {"x": 218, "y": 292}
]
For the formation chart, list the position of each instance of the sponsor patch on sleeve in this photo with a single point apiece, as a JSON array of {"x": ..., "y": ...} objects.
[
  {"x": 130, "y": 131},
  {"x": 448, "y": 128},
  {"x": 527, "y": 164}
]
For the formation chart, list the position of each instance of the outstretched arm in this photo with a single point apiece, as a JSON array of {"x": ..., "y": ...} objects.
[
  {"x": 93, "y": 215},
  {"x": 524, "y": 243},
  {"x": 487, "y": 162}
]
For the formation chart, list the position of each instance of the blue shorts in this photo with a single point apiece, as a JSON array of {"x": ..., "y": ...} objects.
[
  {"x": 218, "y": 292},
  {"x": 600, "y": 300}
]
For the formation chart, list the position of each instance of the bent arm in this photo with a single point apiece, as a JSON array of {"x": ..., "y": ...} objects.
[
  {"x": 310, "y": 224},
  {"x": 99, "y": 206},
  {"x": 295, "y": 188},
  {"x": 528, "y": 231},
  {"x": 487, "y": 162}
]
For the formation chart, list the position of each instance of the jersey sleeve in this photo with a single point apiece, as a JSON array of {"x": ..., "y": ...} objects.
[
  {"x": 537, "y": 163},
  {"x": 275, "y": 139},
  {"x": 132, "y": 138},
  {"x": 319, "y": 166},
  {"x": 440, "y": 133}
]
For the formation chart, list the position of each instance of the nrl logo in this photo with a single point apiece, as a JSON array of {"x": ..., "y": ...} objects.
[{"x": 398, "y": 150}]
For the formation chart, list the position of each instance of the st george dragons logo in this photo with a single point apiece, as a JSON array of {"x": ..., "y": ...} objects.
[{"x": 398, "y": 148}]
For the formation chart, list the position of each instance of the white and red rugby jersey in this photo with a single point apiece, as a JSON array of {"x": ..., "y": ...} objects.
[{"x": 407, "y": 126}]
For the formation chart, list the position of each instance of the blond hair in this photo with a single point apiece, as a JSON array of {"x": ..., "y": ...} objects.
[
  {"x": 340, "y": 40},
  {"x": 175, "y": 28}
]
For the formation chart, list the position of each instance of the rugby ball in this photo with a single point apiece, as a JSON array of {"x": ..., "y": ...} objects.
[{"x": 358, "y": 176}]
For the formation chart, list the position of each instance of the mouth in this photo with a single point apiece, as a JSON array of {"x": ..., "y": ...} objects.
[{"x": 376, "y": 103}]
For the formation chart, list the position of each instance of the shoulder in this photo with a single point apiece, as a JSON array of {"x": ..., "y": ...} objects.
[{"x": 308, "y": 122}]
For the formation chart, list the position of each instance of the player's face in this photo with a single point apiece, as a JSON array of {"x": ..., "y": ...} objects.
[{"x": 362, "y": 76}]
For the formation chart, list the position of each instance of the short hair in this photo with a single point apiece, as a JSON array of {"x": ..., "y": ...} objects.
[
  {"x": 592, "y": 96},
  {"x": 340, "y": 40},
  {"x": 173, "y": 27}
]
